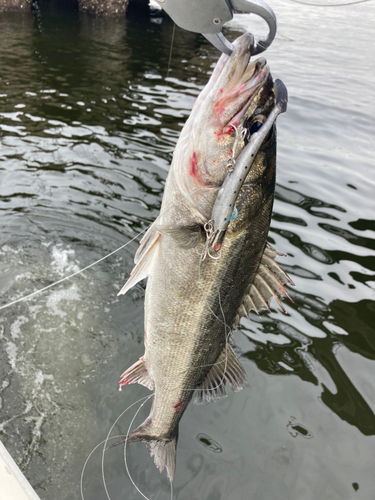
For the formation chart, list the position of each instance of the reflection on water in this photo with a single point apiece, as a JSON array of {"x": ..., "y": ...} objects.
[{"x": 88, "y": 127}]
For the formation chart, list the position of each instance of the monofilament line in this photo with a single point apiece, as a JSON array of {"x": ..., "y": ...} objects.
[
  {"x": 70, "y": 275},
  {"x": 145, "y": 399},
  {"x": 88, "y": 458},
  {"x": 125, "y": 459},
  {"x": 97, "y": 261},
  {"x": 170, "y": 52},
  {"x": 330, "y": 5}
]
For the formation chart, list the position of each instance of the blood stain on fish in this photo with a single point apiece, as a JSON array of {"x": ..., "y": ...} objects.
[
  {"x": 194, "y": 168},
  {"x": 177, "y": 406}
]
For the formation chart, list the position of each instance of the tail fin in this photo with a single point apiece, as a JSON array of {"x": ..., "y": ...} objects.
[
  {"x": 162, "y": 450},
  {"x": 164, "y": 453}
]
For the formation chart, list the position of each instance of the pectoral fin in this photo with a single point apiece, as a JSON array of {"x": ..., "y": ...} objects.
[
  {"x": 185, "y": 236},
  {"x": 145, "y": 259},
  {"x": 146, "y": 241},
  {"x": 226, "y": 370}
]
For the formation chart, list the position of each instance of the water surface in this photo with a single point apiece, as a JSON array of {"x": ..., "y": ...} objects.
[{"x": 88, "y": 126}]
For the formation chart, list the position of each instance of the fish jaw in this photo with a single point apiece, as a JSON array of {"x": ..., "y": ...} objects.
[{"x": 212, "y": 134}]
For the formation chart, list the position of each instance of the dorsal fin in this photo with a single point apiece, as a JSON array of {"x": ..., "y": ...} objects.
[
  {"x": 144, "y": 259},
  {"x": 226, "y": 370},
  {"x": 268, "y": 284}
]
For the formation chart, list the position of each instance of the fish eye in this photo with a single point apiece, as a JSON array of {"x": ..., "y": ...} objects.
[
  {"x": 256, "y": 123},
  {"x": 251, "y": 126},
  {"x": 255, "y": 127}
]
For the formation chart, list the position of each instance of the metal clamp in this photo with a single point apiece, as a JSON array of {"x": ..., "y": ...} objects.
[{"x": 209, "y": 16}]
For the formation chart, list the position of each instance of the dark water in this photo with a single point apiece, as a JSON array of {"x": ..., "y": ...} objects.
[{"x": 88, "y": 126}]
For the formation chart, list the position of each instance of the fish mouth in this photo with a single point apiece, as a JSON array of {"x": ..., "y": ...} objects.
[
  {"x": 254, "y": 79},
  {"x": 239, "y": 86}
]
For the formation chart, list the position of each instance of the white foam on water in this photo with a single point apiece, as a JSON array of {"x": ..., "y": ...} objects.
[
  {"x": 11, "y": 350},
  {"x": 4, "y": 384},
  {"x": 10, "y": 345},
  {"x": 36, "y": 433},
  {"x": 56, "y": 298},
  {"x": 27, "y": 276},
  {"x": 15, "y": 329},
  {"x": 61, "y": 260},
  {"x": 40, "y": 377},
  {"x": 7, "y": 249},
  {"x": 34, "y": 309}
]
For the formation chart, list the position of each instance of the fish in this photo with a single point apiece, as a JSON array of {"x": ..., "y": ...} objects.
[{"x": 196, "y": 296}]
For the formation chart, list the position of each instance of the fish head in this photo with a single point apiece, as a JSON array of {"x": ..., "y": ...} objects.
[{"x": 233, "y": 105}]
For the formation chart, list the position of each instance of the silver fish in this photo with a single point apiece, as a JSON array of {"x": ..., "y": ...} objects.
[{"x": 194, "y": 299}]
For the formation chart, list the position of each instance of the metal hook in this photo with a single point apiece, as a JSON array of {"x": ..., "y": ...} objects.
[
  {"x": 257, "y": 7},
  {"x": 208, "y": 18}
]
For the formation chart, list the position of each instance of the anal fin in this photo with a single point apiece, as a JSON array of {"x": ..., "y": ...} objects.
[
  {"x": 226, "y": 370},
  {"x": 137, "y": 373}
]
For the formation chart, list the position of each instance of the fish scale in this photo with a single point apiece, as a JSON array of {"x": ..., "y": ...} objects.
[{"x": 192, "y": 300}]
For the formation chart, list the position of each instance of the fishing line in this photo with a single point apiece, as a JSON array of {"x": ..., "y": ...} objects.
[
  {"x": 227, "y": 335},
  {"x": 146, "y": 398},
  {"x": 71, "y": 275},
  {"x": 88, "y": 458},
  {"x": 171, "y": 483},
  {"x": 330, "y": 5},
  {"x": 170, "y": 52},
  {"x": 105, "y": 448},
  {"x": 222, "y": 382},
  {"x": 125, "y": 446},
  {"x": 41, "y": 290},
  {"x": 284, "y": 36},
  {"x": 225, "y": 361}
]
